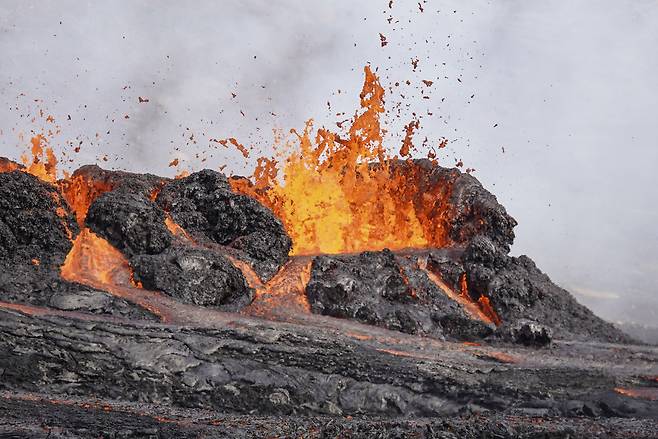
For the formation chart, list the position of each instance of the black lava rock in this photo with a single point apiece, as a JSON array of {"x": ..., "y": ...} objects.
[
  {"x": 206, "y": 207},
  {"x": 525, "y": 332},
  {"x": 34, "y": 241},
  {"x": 34, "y": 222},
  {"x": 193, "y": 275},
  {"x": 130, "y": 222},
  {"x": 382, "y": 289}
]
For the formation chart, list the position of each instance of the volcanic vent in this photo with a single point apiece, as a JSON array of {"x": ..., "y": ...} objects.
[
  {"x": 347, "y": 231},
  {"x": 341, "y": 281}
]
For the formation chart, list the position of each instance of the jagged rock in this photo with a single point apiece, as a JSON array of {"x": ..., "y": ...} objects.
[
  {"x": 380, "y": 288},
  {"x": 130, "y": 222},
  {"x": 517, "y": 290},
  {"x": 193, "y": 275},
  {"x": 455, "y": 204},
  {"x": 34, "y": 241},
  {"x": 223, "y": 366},
  {"x": 34, "y": 222},
  {"x": 206, "y": 207},
  {"x": 525, "y": 332}
]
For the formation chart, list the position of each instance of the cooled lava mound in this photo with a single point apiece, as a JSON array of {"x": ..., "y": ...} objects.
[{"x": 140, "y": 305}]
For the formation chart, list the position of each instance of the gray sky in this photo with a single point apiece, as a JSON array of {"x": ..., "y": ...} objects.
[{"x": 571, "y": 85}]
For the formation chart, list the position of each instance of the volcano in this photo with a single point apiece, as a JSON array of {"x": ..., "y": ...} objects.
[{"x": 361, "y": 295}]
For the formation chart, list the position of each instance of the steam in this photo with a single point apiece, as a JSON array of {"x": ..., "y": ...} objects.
[{"x": 568, "y": 90}]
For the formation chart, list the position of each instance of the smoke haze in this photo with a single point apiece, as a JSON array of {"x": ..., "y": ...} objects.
[{"x": 553, "y": 103}]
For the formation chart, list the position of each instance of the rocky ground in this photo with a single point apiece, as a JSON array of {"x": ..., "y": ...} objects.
[{"x": 206, "y": 328}]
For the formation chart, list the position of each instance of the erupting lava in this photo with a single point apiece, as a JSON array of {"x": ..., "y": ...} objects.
[
  {"x": 343, "y": 194},
  {"x": 43, "y": 163},
  {"x": 335, "y": 193}
]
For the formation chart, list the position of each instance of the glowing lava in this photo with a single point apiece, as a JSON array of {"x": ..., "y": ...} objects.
[
  {"x": 43, "y": 163},
  {"x": 476, "y": 310},
  {"x": 343, "y": 194},
  {"x": 95, "y": 262}
]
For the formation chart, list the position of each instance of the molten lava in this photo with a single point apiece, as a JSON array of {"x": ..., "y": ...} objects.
[
  {"x": 43, "y": 163},
  {"x": 343, "y": 194},
  {"x": 80, "y": 191},
  {"x": 94, "y": 262},
  {"x": 480, "y": 310}
]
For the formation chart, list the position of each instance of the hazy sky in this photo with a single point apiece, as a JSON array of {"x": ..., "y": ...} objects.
[{"x": 567, "y": 89}]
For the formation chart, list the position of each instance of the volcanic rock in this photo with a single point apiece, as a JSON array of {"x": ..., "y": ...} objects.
[
  {"x": 130, "y": 222},
  {"x": 517, "y": 290},
  {"x": 194, "y": 275},
  {"x": 77, "y": 362},
  {"x": 206, "y": 207},
  {"x": 525, "y": 332},
  {"x": 380, "y": 288},
  {"x": 35, "y": 224}
]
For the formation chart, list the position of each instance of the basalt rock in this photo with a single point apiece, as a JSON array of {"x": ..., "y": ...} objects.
[
  {"x": 480, "y": 233},
  {"x": 131, "y": 376},
  {"x": 525, "y": 332},
  {"x": 194, "y": 275},
  {"x": 35, "y": 224},
  {"x": 380, "y": 288},
  {"x": 455, "y": 204},
  {"x": 518, "y": 290},
  {"x": 130, "y": 222},
  {"x": 206, "y": 207},
  {"x": 77, "y": 362}
]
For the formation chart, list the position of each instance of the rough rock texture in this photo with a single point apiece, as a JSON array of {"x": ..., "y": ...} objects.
[
  {"x": 77, "y": 362},
  {"x": 380, "y": 288},
  {"x": 519, "y": 290},
  {"x": 525, "y": 332},
  {"x": 127, "y": 218},
  {"x": 130, "y": 222},
  {"x": 480, "y": 232},
  {"x": 34, "y": 240},
  {"x": 234, "y": 366},
  {"x": 456, "y": 204},
  {"x": 206, "y": 207},
  {"x": 194, "y": 275}
]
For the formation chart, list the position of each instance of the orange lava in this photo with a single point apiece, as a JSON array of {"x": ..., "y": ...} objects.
[
  {"x": 93, "y": 260},
  {"x": 177, "y": 230},
  {"x": 464, "y": 299},
  {"x": 43, "y": 163},
  {"x": 341, "y": 193},
  {"x": 648, "y": 393},
  {"x": 483, "y": 302},
  {"x": 284, "y": 293},
  {"x": 96, "y": 263},
  {"x": 501, "y": 357},
  {"x": 80, "y": 191},
  {"x": 8, "y": 166}
]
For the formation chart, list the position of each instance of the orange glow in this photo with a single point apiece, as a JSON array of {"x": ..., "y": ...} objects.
[
  {"x": 343, "y": 194},
  {"x": 43, "y": 163},
  {"x": 93, "y": 261},
  {"x": 483, "y": 301},
  {"x": 177, "y": 230},
  {"x": 8, "y": 166},
  {"x": 284, "y": 293},
  {"x": 463, "y": 298},
  {"x": 80, "y": 191},
  {"x": 648, "y": 393}
]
